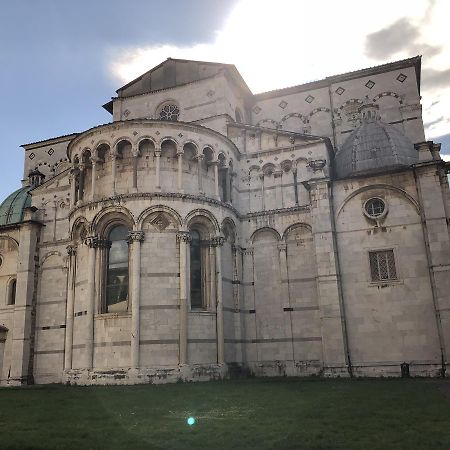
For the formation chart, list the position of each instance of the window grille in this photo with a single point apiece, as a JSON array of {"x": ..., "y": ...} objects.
[
  {"x": 382, "y": 265},
  {"x": 169, "y": 112},
  {"x": 374, "y": 207}
]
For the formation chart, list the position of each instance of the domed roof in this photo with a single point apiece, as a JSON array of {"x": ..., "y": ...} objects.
[
  {"x": 373, "y": 146},
  {"x": 11, "y": 210}
]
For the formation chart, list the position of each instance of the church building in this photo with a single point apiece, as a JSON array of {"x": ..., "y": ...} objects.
[{"x": 209, "y": 232}]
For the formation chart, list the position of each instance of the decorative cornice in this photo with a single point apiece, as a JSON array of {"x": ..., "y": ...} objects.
[{"x": 156, "y": 195}]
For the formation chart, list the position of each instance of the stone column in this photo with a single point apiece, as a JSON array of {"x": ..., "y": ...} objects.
[
  {"x": 200, "y": 174},
  {"x": 216, "y": 179},
  {"x": 263, "y": 202},
  {"x": 158, "y": 168},
  {"x": 81, "y": 183},
  {"x": 91, "y": 242},
  {"x": 180, "y": 171},
  {"x": 113, "y": 173},
  {"x": 72, "y": 252},
  {"x": 228, "y": 185},
  {"x": 94, "y": 174},
  {"x": 134, "y": 239},
  {"x": 218, "y": 242},
  {"x": 183, "y": 238},
  {"x": 135, "y": 153},
  {"x": 73, "y": 184}
]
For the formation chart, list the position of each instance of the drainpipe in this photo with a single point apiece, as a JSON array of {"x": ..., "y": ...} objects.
[{"x": 339, "y": 281}]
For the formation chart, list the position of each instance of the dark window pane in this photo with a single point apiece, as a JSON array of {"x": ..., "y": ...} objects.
[
  {"x": 196, "y": 271},
  {"x": 117, "y": 276}
]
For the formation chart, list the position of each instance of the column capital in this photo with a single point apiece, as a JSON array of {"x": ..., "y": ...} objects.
[
  {"x": 282, "y": 246},
  {"x": 91, "y": 241},
  {"x": 71, "y": 250},
  {"x": 200, "y": 157},
  {"x": 180, "y": 152},
  {"x": 135, "y": 236},
  {"x": 157, "y": 152},
  {"x": 217, "y": 241},
  {"x": 247, "y": 251},
  {"x": 184, "y": 236}
]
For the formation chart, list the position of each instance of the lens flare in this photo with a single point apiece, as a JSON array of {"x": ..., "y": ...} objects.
[{"x": 191, "y": 421}]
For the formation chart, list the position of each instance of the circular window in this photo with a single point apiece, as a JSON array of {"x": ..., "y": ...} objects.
[
  {"x": 375, "y": 208},
  {"x": 169, "y": 112}
]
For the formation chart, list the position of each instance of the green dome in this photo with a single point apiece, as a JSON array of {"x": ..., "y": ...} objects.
[{"x": 11, "y": 210}]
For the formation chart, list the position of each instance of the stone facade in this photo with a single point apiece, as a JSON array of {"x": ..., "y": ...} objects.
[{"x": 245, "y": 250}]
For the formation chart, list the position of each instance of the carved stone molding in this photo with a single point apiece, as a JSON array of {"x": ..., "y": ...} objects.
[
  {"x": 71, "y": 250},
  {"x": 91, "y": 241},
  {"x": 282, "y": 246},
  {"x": 217, "y": 241},
  {"x": 247, "y": 251},
  {"x": 137, "y": 236},
  {"x": 184, "y": 236}
]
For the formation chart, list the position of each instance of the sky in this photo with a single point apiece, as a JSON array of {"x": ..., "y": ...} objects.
[{"x": 61, "y": 60}]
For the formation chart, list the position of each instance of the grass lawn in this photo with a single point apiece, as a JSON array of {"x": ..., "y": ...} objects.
[{"x": 245, "y": 414}]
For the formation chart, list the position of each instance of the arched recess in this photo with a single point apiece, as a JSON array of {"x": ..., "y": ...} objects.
[
  {"x": 270, "y": 187},
  {"x": 288, "y": 180},
  {"x": 390, "y": 104},
  {"x": 80, "y": 230},
  {"x": 190, "y": 167},
  {"x": 111, "y": 214},
  {"x": 207, "y": 169},
  {"x": 268, "y": 123},
  {"x": 205, "y": 219},
  {"x": 255, "y": 198},
  {"x": 269, "y": 313},
  {"x": 388, "y": 187},
  {"x": 175, "y": 218},
  {"x": 320, "y": 121},
  {"x": 169, "y": 164},
  {"x": 302, "y": 290},
  {"x": 294, "y": 122},
  {"x": 145, "y": 164}
]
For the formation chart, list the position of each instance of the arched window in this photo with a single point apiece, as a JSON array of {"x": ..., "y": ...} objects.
[
  {"x": 238, "y": 116},
  {"x": 12, "y": 292},
  {"x": 117, "y": 270},
  {"x": 196, "y": 271}
]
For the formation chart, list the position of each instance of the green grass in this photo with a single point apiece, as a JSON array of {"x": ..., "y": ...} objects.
[{"x": 248, "y": 414}]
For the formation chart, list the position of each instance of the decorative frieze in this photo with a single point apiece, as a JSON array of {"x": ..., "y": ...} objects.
[{"x": 138, "y": 236}]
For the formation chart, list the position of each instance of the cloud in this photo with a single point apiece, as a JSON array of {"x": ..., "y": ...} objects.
[
  {"x": 392, "y": 39},
  {"x": 435, "y": 79},
  {"x": 290, "y": 42}
]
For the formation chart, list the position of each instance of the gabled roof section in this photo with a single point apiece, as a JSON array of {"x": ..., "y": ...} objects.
[{"x": 177, "y": 72}]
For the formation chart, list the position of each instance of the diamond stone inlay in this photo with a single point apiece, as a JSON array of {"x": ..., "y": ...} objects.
[
  {"x": 31, "y": 155},
  {"x": 402, "y": 77},
  {"x": 126, "y": 113},
  {"x": 370, "y": 84},
  {"x": 256, "y": 109},
  {"x": 340, "y": 90},
  {"x": 51, "y": 151},
  {"x": 282, "y": 104},
  {"x": 309, "y": 99}
]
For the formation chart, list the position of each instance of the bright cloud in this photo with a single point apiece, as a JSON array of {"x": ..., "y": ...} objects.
[{"x": 289, "y": 42}]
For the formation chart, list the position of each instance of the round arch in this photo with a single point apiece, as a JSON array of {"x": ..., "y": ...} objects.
[
  {"x": 388, "y": 187},
  {"x": 158, "y": 208},
  {"x": 264, "y": 229},
  {"x": 194, "y": 215},
  {"x": 114, "y": 214}
]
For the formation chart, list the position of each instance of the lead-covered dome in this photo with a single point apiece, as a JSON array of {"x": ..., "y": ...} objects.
[
  {"x": 373, "y": 146},
  {"x": 12, "y": 209}
]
